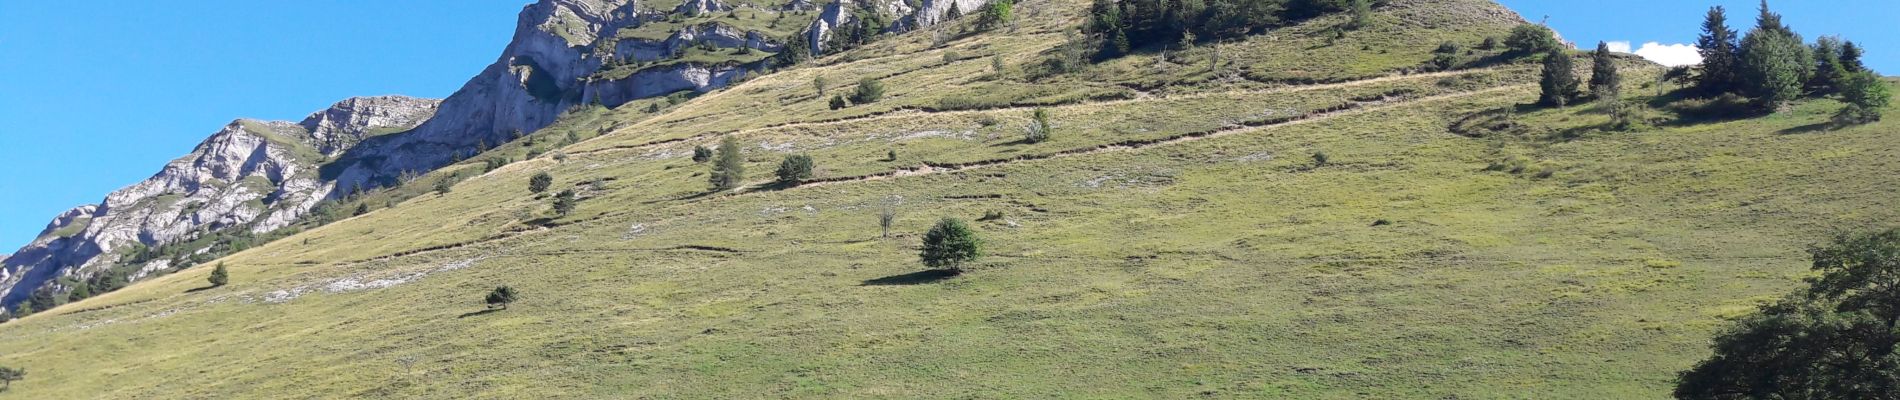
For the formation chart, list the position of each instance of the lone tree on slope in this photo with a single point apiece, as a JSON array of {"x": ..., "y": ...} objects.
[
  {"x": 540, "y": 182},
  {"x": 564, "y": 203},
  {"x": 728, "y": 166},
  {"x": 8, "y": 375},
  {"x": 795, "y": 169},
  {"x": 1560, "y": 79},
  {"x": 501, "y": 297},
  {"x": 1605, "y": 81},
  {"x": 219, "y": 276},
  {"x": 950, "y": 245}
]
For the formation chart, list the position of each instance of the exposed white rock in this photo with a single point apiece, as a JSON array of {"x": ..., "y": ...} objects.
[
  {"x": 701, "y": 7},
  {"x": 247, "y": 170},
  {"x": 343, "y": 125},
  {"x": 932, "y": 12}
]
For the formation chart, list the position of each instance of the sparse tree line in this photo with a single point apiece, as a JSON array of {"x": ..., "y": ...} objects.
[
  {"x": 1119, "y": 27},
  {"x": 1768, "y": 68},
  {"x": 1771, "y": 66},
  {"x": 1762, "y": 71}
]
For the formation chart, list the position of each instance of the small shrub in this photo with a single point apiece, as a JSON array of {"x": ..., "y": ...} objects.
[
  {"x": 838, "y": 102},
  {"x": 564, "y": 203},
  {"x": 1530, "y": 39},
  {"x": 870, "y": 90},
  {"x": 702, "y": 154},
  {"x": 884, "y": 220},
  {"x": 1320, "y": 158},
  {"x": 8, "y": 375},
  {"x": 540, "y": 182},
  {"x": 728, "y": 165},
  {"x": 219, "y": 276},
  {"x": 501, "y": 297},
  {"x": 445, "y": 185},
  {"x": 794, "y": 169},
  {"x": 1039, "y": 127},
  {"x": 949, "y": 245},
  {"x": 995, "y": 15}
]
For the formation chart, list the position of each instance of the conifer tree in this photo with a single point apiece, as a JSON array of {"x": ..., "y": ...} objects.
[
  {"x": 564, "y": 203},
  {"x": 540, "y": 182},
  {"x": 950, "y": 245},
  {"x": 728, "y": 165},
  {"x": 219, "y": 276},
  {"x": 1866, "y": 97},
  {"x": 1720, "y": 55},
  {"x": 1774, "y": 66},
  {"x": 1850, "y": 57},
  {"x": 1828, "y": 71},
  {"x": 1559, "y": 81},
  {"x": 1605, "y": 81}
]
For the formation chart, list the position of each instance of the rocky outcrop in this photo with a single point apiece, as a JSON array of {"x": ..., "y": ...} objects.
[
  {"x": 347, "y": 123},
  {"x": 259, "y": 176},
  {"x": 932, "y": 12},
  {"x": 660, "y": 81},
  {"x": 833, "y": 16},
  {"x": 539, "y": 75},
  {"x": 551, "y": 65},
  {"x": 711, "y": 33},
  {"x": 694, "y": 8},
  {"x": 253, "y": 176},
  {"x": 842, "y": 13}
]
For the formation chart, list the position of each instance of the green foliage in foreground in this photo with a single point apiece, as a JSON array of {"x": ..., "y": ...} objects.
[{"x": 1835, "y": 340}]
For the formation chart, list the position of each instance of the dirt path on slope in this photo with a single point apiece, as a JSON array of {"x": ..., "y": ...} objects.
[{"x": 914, "y": 112}]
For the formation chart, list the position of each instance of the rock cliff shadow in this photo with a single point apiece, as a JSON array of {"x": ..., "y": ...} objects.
[{"x": 914, "y": 278}]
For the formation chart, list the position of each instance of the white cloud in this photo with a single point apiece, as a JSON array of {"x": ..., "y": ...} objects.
[
  {"x": 1619, "y": 47},
  {"x": 1673, "y": 55}
]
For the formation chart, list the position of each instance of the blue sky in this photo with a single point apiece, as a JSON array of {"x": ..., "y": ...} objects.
[
  {"x": 97, "y": 95},
  {"x": 1866, "y": 22}
]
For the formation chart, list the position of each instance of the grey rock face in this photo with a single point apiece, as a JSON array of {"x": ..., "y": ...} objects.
[
  {"x": 932, "y": 12},
  {"x": 349, "y": 122},
  {"x": 247, "y": 170},
  {"x": 839, "y": 13},
  {"x": 549, "y": 67},
  {"x": 696, "y": 8},
  {"x": 260, "y": 176}
]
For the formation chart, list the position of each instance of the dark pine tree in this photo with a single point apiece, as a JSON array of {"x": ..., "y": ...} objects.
[{"x": 1720, "y": 57}]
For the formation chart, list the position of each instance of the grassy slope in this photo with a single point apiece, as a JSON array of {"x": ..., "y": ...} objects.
[{"x": 1224, "y": 266}]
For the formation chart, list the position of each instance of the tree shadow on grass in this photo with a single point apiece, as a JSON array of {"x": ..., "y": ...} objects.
[
  {"x": 196, "y": 290},
  {"x": 1810, "y": 128},
  {"x": 914, "y": 278},
  {"x": 480, "y": 313}
]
